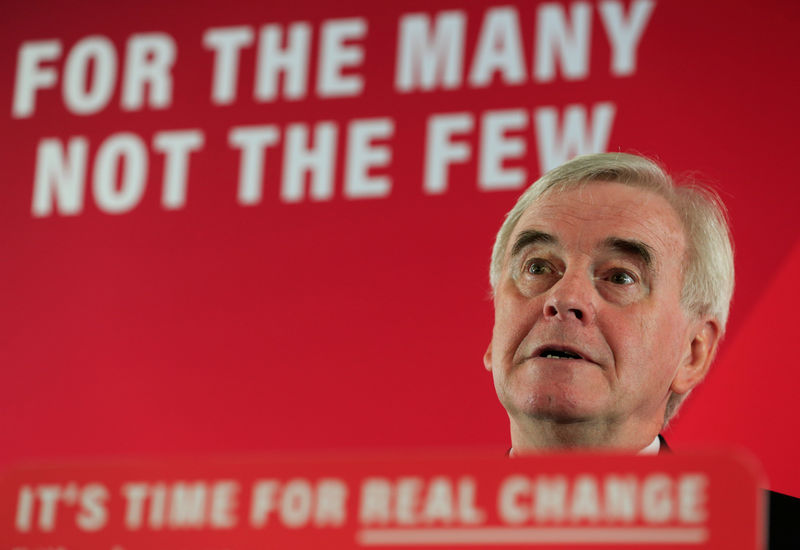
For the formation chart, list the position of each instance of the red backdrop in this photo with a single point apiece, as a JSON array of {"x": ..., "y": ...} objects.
[{"x": 249, "y": 311}]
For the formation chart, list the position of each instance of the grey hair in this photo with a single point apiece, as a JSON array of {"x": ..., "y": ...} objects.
[{"x": 708, "y": 277}]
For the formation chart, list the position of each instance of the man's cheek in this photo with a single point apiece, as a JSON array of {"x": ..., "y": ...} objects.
[{"x": 517, "y": 317}]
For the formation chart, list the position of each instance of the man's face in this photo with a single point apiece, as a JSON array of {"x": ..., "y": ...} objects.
[{"x": 588, "y": 321}]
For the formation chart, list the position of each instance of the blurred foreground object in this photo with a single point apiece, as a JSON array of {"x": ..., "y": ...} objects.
[{"x": 708, "y": 500}]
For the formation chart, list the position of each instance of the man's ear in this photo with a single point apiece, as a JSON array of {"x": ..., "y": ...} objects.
[
  {"x": 699, "y": 356},
  {"x": 487, "y": 357}
]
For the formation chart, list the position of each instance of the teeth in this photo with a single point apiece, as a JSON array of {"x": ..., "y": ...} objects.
[{"x": 560, "y": 356}]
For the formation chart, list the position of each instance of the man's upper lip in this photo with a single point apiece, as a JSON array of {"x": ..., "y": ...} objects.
[{"x": 562, "y": 347}]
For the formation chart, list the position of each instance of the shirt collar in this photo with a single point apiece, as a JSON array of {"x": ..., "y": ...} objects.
[{"x": 651, "y": 449}]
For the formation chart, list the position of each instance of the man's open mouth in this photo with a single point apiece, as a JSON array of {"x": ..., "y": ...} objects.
[{"x": 559, "y": 353}]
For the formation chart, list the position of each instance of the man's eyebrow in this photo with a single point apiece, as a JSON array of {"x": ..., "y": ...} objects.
[
  {"x": 631, "y": 247},
  {"x": 527, "y": 238}
]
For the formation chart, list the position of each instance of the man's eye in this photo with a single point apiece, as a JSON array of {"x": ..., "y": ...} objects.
[
  {"x": 536, "y": 267},
  {"x": 622, "y": 278}
]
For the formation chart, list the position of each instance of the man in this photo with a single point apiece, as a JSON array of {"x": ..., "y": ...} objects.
[{"x": 611, "y": 292}]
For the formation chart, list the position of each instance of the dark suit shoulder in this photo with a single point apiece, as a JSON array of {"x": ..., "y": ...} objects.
[{"x": 784, "y": 521}]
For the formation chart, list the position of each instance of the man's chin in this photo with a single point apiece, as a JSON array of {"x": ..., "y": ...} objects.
[
  {"x": 569, "y": 408},
  {"x": 559, "y": 415}
]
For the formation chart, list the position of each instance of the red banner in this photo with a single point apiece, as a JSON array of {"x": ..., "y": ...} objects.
[{"x": 575, "y": 501}]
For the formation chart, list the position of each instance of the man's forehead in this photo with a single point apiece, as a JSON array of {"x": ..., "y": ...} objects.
[{"x": 601, "y": 215}]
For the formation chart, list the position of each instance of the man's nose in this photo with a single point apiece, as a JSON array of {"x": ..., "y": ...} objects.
[{"x": 572, "y": 298}]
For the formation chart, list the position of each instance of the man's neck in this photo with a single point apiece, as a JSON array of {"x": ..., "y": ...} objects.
[
  {"x": 652, "y": 449},
  {"x": 569, "y": 436}
]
